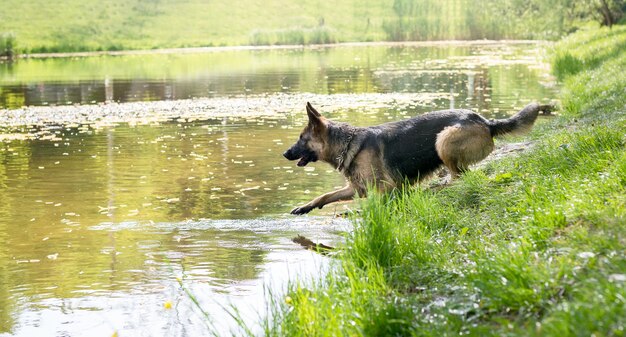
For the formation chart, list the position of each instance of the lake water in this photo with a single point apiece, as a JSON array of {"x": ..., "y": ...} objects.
[{"x": 100, "y": 224}]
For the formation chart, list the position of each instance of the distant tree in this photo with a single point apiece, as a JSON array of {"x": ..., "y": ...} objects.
[
  {"x": 606, "y": 12},
  {"x": 612, "y": 11},
  {"x": 497, "y": 19}
]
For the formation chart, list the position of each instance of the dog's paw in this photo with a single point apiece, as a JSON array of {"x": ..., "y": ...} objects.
[{"x": 302, "y": 210}]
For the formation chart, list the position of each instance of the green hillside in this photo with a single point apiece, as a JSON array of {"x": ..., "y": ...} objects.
[
  {"x": 87, "y": 25},
  {"x": 146, "y": 24}
]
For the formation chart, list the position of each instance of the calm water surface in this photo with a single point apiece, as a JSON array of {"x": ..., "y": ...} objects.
[{"x": 97, "y": 224}]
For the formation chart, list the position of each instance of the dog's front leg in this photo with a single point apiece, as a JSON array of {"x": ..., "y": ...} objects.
[{"x": 345, "y": 193}]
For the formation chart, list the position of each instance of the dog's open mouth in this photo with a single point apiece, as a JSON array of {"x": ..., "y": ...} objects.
[
  {"x": 303, "y": 161},
  {"x": 307, "y": 158}
]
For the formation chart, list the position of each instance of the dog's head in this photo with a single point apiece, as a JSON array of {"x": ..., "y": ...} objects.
[{"x": 312, "y": 139}]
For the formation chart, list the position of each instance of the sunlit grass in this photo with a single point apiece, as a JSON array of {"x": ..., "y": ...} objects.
[
  {"x": 529, "y": 245},
  {"x": 588, "y": 49},
  {"x": 88, "y": 25}
]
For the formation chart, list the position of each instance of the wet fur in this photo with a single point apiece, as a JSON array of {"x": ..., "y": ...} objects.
[{"x": 391, "y": 154}]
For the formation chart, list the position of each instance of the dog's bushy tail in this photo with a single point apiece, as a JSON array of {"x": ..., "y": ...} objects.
[{"x": 519, "y": 123}]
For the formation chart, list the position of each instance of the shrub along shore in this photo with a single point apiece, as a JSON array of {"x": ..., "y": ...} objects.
[{"x": 532, "y": 244}]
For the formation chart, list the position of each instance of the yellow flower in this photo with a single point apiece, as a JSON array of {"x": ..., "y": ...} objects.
[{"x": 167, "y": 305}]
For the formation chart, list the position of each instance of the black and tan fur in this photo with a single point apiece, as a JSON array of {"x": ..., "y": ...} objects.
[{"x": 391, "y": 154}]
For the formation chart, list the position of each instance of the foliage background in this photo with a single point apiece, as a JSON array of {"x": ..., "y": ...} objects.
[{"x": 89, "y": 25}]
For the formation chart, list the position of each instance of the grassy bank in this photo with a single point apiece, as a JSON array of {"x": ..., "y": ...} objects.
[
  {"x": 533, "y": 244},
  {"x": 90, "y": 25},
  {"x": 41, "y": 26}
]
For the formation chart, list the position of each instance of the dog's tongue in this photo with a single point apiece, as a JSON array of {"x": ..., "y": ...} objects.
[{"x": 302, "y": 162}]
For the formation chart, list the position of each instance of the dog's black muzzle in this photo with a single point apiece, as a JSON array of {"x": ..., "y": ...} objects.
[
  {"x": 305, "y": 155},
  {"x": 289, "y": 154}
]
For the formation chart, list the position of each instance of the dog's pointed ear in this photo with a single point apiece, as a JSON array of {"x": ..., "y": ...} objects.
[
  {"x": 315, "y": 118},
  {"x": 310, "y": 110}
]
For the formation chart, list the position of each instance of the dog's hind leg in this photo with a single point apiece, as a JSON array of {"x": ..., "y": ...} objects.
[
  {"x": 345, "y": 193},
  {"x": 459, "y": 146}
]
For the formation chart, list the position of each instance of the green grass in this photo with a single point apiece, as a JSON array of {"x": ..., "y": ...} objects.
[
  {"x": 41, "y": 26},
  {"x": 531, "y": 245},
  {"x": 79, "y": 25},
  {"x": 588, "y": 49}
]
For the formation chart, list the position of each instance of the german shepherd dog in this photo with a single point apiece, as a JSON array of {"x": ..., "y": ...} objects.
[{"x": 392, "y": 154}]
